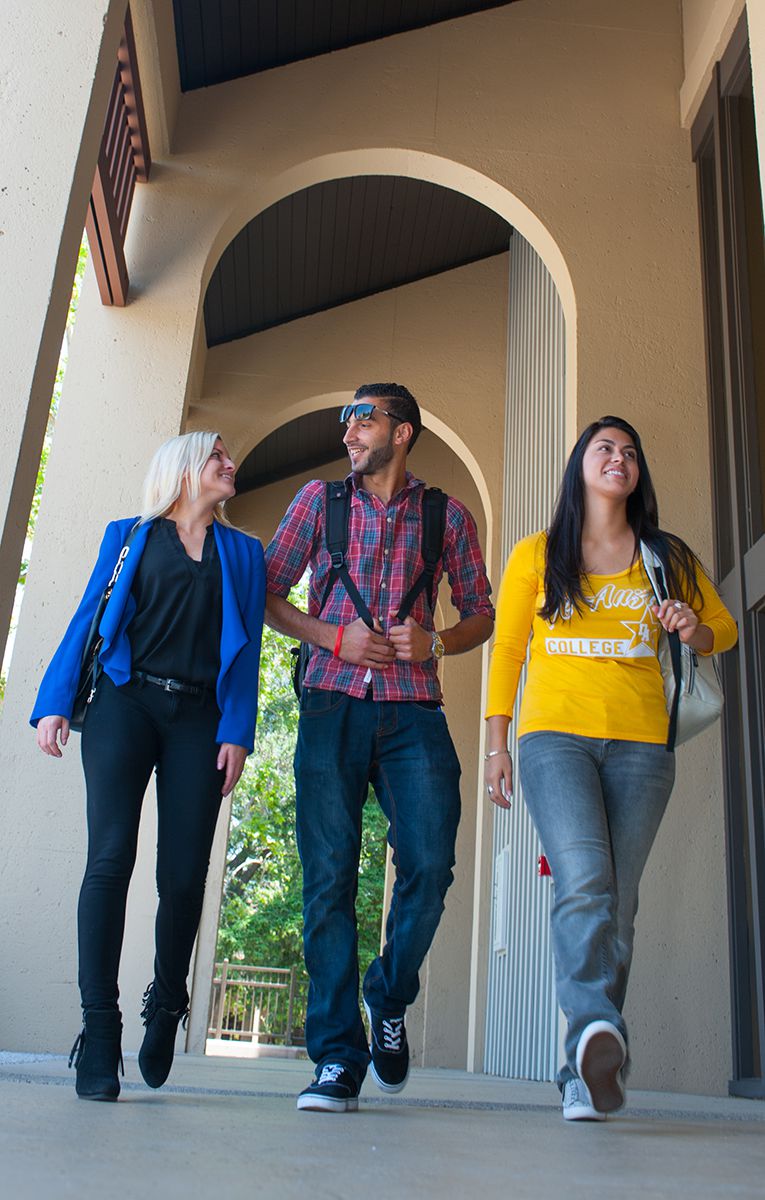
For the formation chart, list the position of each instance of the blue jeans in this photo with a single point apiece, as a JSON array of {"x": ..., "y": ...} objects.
[
  {"x": 405, "y": 751},
  {"x": 597, "y": 805}
]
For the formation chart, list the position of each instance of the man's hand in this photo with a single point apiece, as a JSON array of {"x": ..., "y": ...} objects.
[
  {"x": 411, "y": 642},
  {"x": 48, "y": 730},
  {"x": 231, "y": 760},
  {"x": 366, "y": 647}
]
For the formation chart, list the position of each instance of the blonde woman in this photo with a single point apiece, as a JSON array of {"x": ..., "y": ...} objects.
[{"x": 177, "y": 694}]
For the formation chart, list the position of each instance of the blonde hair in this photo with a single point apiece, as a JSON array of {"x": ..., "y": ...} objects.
[{"x": 181, "y": 459}]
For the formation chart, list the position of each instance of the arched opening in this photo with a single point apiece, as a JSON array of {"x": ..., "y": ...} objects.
[
  {"x": 437, "y": 459},
  {"x": 408, "y": 164},
  {"x": 258, "y": 384}
]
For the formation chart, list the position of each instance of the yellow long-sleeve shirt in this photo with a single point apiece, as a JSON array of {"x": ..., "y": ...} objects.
[{"x": 596, "y": 673}]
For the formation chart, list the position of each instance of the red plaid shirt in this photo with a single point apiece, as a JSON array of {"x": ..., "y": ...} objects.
[{"x": 384, "y": 560}]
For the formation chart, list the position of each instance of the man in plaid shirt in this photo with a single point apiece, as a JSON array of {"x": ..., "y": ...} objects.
[{"x": 370, "y": 711}]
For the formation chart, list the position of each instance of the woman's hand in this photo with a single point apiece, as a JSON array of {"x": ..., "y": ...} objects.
[
  {"x": 678, "y": 617},
  {"x": 498, "y": 778},
  {"x": 48, "y": 730},
  {"x": 498, "y": 765},
  {"x": 231, "y": 760}
]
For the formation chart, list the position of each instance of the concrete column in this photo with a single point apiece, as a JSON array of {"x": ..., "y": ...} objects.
[
  {"x": 54, "y": 103},
  {"x": 124, "y": 394}
]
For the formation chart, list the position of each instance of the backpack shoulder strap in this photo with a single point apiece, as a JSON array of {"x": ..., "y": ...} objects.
[
  {"x": 434, "y": 503},
  {"x": 337, "y": 511},
  {"x": 337, "y": 505}
]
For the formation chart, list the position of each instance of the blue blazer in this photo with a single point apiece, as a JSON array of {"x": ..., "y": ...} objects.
[{"x": 244, "y": 592}]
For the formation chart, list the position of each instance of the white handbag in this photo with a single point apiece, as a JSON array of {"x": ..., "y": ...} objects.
[{"x": 698, "y": 700}]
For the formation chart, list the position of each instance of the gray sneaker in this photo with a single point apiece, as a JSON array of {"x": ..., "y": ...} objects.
[{"x": 577, "y": 1105}]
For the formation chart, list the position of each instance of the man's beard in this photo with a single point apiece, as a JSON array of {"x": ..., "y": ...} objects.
[{"x": 377, "y": 459}]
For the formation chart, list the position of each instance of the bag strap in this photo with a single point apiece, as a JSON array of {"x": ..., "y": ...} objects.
[
  {"x": 107, "y": 592},
  {"x": 120, "y": 562},
  {"x": 654, "y": 569},
  {"x": 337, "y": 511},
  {"x": 434, "y": 503}
]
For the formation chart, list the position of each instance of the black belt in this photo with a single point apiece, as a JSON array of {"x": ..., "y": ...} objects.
[{"x": 172, "y": 685}]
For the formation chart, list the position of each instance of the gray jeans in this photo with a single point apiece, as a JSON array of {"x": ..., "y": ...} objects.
[{"x": 597, "y": 805}]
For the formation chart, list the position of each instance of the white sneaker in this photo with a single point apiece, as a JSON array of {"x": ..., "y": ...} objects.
[
  {"x": 577, "y": 1105},
  {"x": 600, "y": 1056}
]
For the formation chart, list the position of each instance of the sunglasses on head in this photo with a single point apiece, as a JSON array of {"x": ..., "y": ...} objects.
[{"x": 362, "y": 412}]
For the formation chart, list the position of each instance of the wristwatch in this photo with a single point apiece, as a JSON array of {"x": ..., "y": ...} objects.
[{"x": 437, "y": 647}]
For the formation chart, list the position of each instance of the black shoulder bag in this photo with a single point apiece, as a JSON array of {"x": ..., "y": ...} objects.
[{"x": 90, "y": 667}]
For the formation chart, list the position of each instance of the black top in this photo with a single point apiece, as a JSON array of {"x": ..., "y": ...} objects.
[{"x": 175, "y": 633}]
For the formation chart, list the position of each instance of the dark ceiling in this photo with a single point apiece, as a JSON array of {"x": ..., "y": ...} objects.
[
  {"x": 340, "y": 241},
  {"x": 302, "y": 445},
  {"x": 225, "y": 39}
]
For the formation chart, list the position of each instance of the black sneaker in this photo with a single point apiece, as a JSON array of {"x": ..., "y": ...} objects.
[
  {"x": 333, "y": 1089},
  {"x": 390, "y": 1051}
]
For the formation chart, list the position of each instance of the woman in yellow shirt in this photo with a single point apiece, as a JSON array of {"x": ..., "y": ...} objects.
[{"x": 593, "y": 726}]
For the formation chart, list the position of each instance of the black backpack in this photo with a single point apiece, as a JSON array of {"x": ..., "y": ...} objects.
[{"x": 337, "y": 508}]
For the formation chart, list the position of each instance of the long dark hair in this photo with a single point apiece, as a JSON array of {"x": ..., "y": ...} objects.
[{"x": 564, "y": 568}]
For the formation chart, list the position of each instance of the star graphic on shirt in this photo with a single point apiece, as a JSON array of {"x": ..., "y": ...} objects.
[{"x": 641, "y": 635}]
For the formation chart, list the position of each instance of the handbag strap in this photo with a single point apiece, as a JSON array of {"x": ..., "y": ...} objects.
[
  {"x": 106, "y": 594},
  {"x": 654, "y": 569},
  {"x": 120, "y": 562}
]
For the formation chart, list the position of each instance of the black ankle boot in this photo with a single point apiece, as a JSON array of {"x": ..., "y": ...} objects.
[
  {"x": 97, "y": 1053},
  {"x": 155, "y": 1058}
]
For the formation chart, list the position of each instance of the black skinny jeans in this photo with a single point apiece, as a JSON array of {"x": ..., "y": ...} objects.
[{"x": 127, "y": 733}]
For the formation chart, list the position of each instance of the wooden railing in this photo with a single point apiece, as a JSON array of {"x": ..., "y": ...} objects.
[
  {"x": 258, "y": 1004},
  {"x": 123, "y": 161}
]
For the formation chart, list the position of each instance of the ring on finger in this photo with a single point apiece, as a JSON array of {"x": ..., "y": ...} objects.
[
  {"x": 678, "y": 604},
  {"x": 489, "y": 789}
]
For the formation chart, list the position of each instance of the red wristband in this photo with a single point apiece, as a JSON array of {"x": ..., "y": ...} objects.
[{"x": 338, "y": 641}]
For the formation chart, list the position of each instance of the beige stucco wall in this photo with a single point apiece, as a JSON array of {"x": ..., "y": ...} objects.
[
  {"x": 52, "y": 100},
  {"x": 594, "y": 169}
]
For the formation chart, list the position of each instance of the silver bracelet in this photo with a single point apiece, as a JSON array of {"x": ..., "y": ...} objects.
[{"x": 492, "y": 753}]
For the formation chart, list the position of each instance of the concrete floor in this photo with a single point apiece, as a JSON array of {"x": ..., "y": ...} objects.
[{"x": 227, "y": 1128}]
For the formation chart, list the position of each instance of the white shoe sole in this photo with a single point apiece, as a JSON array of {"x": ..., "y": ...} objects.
[
  {"x": 327, "y": 1104},
  {"x": 581, "y": 1112},
  {"x": 390, "y": 1088},
  {"x": 600, "y": 1056}
]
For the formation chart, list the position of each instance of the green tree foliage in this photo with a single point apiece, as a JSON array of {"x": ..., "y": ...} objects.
[
  {"x": 74, "y": 302},
  {"x": 261, "y": 915}
]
